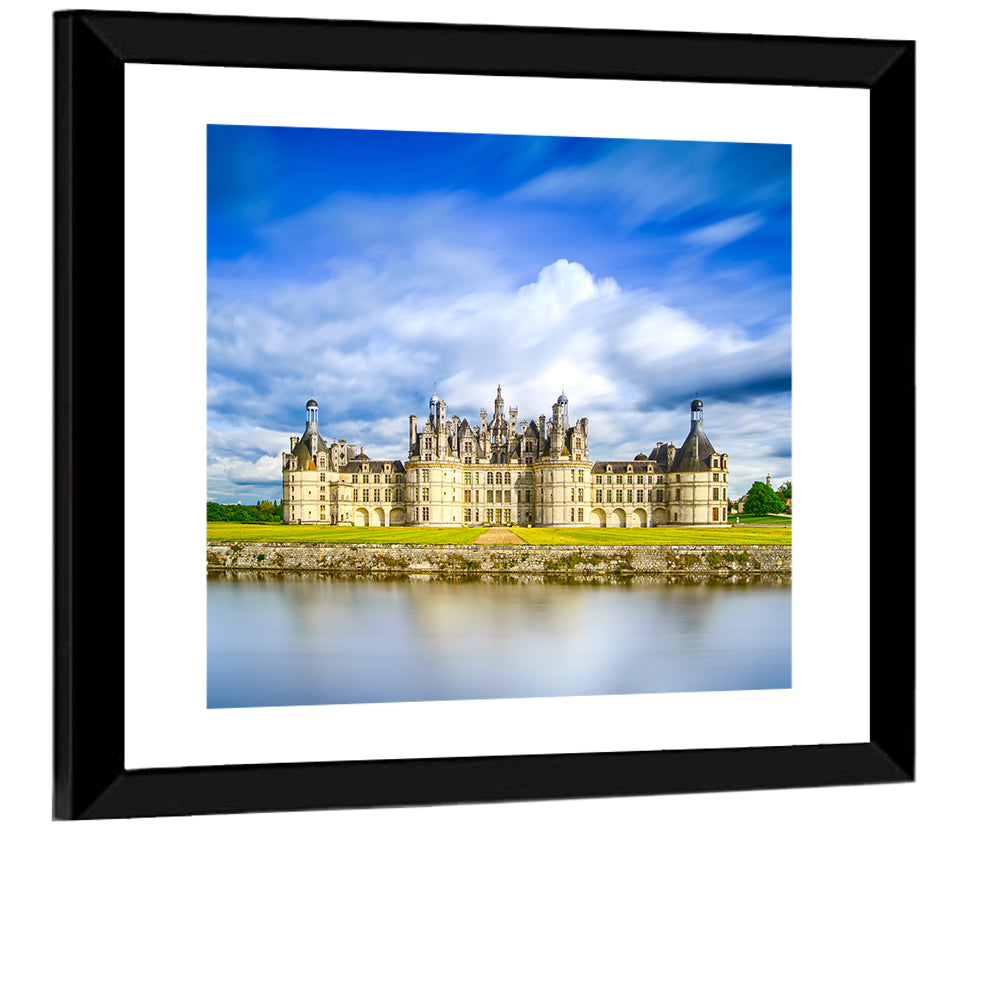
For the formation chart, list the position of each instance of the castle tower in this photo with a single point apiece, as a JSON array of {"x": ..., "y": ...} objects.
[
  {"x": 308, "y": 475},
  {"x": 698, "y": 476}
]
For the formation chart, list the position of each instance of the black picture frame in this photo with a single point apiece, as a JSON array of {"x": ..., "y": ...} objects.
[{"x": 91, "y": 51}]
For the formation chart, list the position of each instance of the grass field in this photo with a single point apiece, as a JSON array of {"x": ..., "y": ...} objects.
[
  {"x": 780, "y": 534},
  {"x": 772, "y": 531},
  {"x": 222, "y": 531}
]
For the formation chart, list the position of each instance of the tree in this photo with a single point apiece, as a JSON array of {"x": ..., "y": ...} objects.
[
  {"x": 785, "y": 490},
  {"x": 761, "y": 499},
  {"x": 263, "y": 512}
]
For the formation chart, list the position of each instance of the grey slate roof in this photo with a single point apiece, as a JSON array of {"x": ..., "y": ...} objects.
[
  {"x": 301, "y": 450},
  {"x": 617, "y": 467},
  {"x": 695, "y": 455}
]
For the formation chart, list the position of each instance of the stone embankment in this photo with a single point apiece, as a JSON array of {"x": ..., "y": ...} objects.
[{"x": 451, "y": 560}]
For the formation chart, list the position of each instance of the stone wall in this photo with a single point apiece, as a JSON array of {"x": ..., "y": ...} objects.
[{"x": 534, "y": 560}]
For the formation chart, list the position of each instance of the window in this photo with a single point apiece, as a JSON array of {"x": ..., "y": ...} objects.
[
  {"x": 628, "y": 496},
  {"x": 468, "y": 478},
  {"x": 378, "y": 478},
  {"x": 426, "y": 513},
  {"x": 659, "y": 496},
  {"x": 506, "y": 479},
  {"x": 628, "y": 479},
  {"x": 354, "y": 478},
  {"x": 355, "y": 492},
  {"x": 715, "y": 477},
  {"x": 364, "y": 496},
  {"x": 425, "y": 476},
  {"x": 599, "y": 480},
  {"x": 715, "y": 493},
  {"x": 715, "y": 513},
  {"x": 600, "y": 496},
  {"x": 638, "y": 496},
  {"x": 489, "y": 480},
  {"x": 506, "y": 493},
  {"x": 468, "y": 496},
  {"x": 467, "y": 514},
  {"x": 618, "y": 496},
  {"x": 489, "y": 516},
  {"x": 489, "y": 493},
  {"x": 579, "y": 513},
  {"x": 715, "y": 463},
  {"x": 322, "y": 477},
  {"x": 425, "y": 493},
  {"x": 572, "y": 514},
  {"x": 618, "y": 480}
]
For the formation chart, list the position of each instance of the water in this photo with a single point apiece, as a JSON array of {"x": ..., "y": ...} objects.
[{"x": 313, "y": 640}]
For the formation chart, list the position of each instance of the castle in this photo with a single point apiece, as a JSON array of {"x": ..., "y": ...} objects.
[{"x": 502, "y": 471}]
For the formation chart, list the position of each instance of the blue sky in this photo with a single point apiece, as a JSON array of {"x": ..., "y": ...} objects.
[{"x": 369, "y": 269}]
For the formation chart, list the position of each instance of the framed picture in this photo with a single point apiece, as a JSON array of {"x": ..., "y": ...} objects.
[{"x": 382, "y": 221}]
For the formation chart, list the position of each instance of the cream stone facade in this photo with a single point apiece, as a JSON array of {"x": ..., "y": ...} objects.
[{"x": 502, "y": 471}]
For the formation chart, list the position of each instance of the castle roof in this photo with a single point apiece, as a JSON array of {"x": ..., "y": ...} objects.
[
  {"x": 633, "y": 466},
  {"x": 695, "y": 455},
  {"x": 301, "y": 450}
]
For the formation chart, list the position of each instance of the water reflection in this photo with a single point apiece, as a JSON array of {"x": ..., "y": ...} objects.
[{"x": 311, "y": 639}]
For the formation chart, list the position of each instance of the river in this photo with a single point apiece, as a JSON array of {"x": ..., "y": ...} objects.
[{"x": 309, "y": 639}]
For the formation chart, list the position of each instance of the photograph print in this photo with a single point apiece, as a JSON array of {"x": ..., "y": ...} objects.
[{"x": 495, "y": 416}]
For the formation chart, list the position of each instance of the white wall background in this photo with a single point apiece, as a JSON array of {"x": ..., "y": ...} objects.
[{"x": 854, "y": 892}]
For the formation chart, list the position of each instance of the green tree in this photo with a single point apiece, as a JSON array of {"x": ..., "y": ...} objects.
[
  {"x": 262, "y": 512},
  {"x": 761, "y": 499},
  {"x": 785, "y": 490}
]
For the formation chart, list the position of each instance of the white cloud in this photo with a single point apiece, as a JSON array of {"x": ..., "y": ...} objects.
[
  {"x": 371, "y": 348},
  {"x": 727, "y": 231}
]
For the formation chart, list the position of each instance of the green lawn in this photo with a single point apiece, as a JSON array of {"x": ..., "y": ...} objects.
[
  {"x": 770, "y": 531},
  {"x": 222, "y": 531},
  {"x": 769, "y": 519},
  {"x": 778, "y": 534}
]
